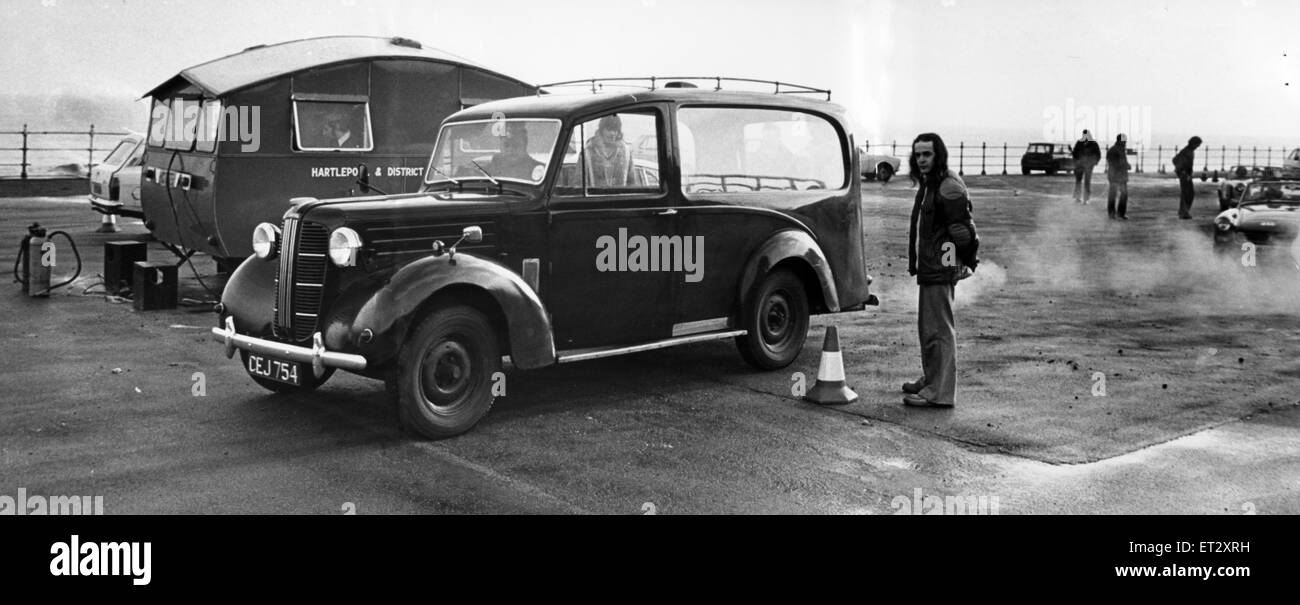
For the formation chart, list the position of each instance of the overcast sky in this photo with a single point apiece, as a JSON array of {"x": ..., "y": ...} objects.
[{"x": 1213, "y": 67}]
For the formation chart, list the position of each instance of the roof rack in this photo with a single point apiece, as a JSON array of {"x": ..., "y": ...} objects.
[{"x": 598, "y": 85}]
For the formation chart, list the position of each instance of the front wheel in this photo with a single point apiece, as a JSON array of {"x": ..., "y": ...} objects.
[
  {"x": 446, "y": 371},
  {"x": 776, "y": 322}
]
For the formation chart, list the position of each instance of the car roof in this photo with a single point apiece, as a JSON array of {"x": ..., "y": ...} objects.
[
  {"x": 562, "y": 106},
  {"x": 261, "y": 63}
]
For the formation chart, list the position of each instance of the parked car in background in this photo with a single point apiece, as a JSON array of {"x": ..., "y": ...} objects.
[
  {"x": 115, "y": 182},
  {"x": 1235, "y": 181},
  {"x": 1267, "y": 214},
  {"x": 878, "y": 166},
  {"x": 1291, "y": 164},
  {"x": 532, "y": 239},
  {"x": 1048, "y": 157}
]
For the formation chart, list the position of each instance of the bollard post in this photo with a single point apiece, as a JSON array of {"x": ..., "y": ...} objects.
[
  {"x": 1004, "y": 158},
  {"x": 1239, "y": 155},
  {"x": 24, "y": 164},
  {"x": 893, "y": 148},
  {"x": 1254, "y": 155},
  {"x": 1268, "y": 156},
  {"x": 1160, "y": 165},
  {"x": 90, "y": 154},
  {"x": 961, "y": 159},
  {"x": 982, "y": 150},
  {"x": 1223, "y": 157}
]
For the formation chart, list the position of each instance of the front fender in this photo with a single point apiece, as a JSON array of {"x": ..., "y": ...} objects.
[
  {"x": 784, "y": 245},
  {"x": 249, "y": 296},
  {"x": 389, "y": 311}
]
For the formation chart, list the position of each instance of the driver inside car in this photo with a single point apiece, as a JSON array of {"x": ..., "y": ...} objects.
[{"x": 513, "y": 161}]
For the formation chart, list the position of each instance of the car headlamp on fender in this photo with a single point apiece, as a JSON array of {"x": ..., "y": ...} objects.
[
  {"x": 266, "y": 240},
  {"x": 344, "y": 246}
]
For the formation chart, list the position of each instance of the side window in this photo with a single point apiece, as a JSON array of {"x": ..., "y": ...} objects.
[
  {"x": 613, "y": 154},
  {"x": 332, "y": 125},
  {"x": 209, "y": 126},
  {"x": 735, "y": 150},
  {"x": 159, "y": 117}
]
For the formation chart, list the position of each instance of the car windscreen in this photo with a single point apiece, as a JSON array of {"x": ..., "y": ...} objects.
[
  {"x": 516, "y": 150},
  {"x": 120, "y": 153},
  {"x": 1269, "y": 193}
]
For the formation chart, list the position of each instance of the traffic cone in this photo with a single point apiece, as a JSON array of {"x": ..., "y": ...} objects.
[
  {"x": 108, "y": 224},
  {"x": 830, "y": 388}
]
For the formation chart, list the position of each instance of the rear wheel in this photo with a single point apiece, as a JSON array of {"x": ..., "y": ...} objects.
[
  {"x": 776, "y": 322},
  {"x": 1024, "y": 169},
  {"x": 445, "y": 372}
]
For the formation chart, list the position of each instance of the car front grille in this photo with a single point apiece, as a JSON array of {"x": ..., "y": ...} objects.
[{"x": 300, "y": 283}]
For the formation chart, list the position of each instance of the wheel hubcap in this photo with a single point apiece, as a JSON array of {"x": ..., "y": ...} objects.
[
  {"x": 776, "y": 318},
  {"x": 445, "y": 373}
]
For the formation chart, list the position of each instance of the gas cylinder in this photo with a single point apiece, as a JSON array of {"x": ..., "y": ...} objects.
[{"x": 36, "y": 281}]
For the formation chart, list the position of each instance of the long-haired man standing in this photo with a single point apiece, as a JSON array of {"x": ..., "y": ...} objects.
[{"x": 942, "y": 248}]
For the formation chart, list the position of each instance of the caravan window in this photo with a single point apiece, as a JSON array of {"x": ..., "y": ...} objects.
[
  {"x": 209, "y": 126},
  {"x": 321, "y": 125},
  {"x": 182, "y": 124}
]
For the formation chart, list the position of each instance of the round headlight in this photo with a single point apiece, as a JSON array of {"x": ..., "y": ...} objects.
[
  {"x": 344, "y": 245},
  {"x": 266, "y": 238}
]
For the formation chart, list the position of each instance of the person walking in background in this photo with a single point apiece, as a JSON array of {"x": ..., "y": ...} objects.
[
  {"x": 1087, "y": 154},
  {"x": 942, "y": 249},
  {"x": 1117, "y": 167},
  {"x": 1184, "y": 164}
]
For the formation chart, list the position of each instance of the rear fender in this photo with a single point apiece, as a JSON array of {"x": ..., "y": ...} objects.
[{"x": 782, "y": 246}]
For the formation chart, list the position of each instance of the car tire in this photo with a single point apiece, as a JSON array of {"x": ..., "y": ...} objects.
[
  {"x": 309, "y": 380},
  {"x": 1051, "y": 171},
  {"x": 884, "y": 172},
  {"x": 1024, "y": 169},
  {"x": 775, "y": 321},
  {"x": 445, "y": 373}
]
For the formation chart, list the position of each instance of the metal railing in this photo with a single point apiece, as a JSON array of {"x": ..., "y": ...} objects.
[
  {"x": 26, "y": 149},
  {"x": 1002, "y": 159}
]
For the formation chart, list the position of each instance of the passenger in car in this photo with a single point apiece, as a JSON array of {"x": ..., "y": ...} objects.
[
  {"x": 609, "y": 159},
  {"x": 772, "y": 158}
]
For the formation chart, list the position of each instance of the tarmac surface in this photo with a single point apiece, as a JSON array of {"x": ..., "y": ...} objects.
[{"x": 1197, "y": 409}]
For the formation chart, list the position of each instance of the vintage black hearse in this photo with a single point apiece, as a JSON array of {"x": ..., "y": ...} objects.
[
  {"x": 230, "y": 141},
  {"x": 544, "y": 234}
]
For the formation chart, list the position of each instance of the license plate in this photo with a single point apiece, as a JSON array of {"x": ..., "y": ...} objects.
[{"x": 274, "y": 369}]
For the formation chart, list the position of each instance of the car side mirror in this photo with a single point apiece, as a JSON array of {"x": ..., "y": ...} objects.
[{"x": 472, "y": 235}]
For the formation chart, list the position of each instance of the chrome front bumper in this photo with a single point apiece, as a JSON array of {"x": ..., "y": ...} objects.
[{"x": 317, "y": 356}]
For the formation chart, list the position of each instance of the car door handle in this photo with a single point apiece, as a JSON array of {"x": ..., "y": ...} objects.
[{"x": 669, "y": 211}]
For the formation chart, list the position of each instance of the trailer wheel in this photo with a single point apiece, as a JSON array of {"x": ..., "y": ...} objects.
[{"x": 884, "y": 172}]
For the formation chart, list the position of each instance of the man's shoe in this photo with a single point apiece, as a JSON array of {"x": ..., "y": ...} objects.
[
  {"x": 921, "y": 402},
  {"x": 1123, "y": 218},
  {"x": 912, "y": 388}
]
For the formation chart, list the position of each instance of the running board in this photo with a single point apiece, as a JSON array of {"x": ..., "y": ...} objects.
[{"x": 598, "y": 352}]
